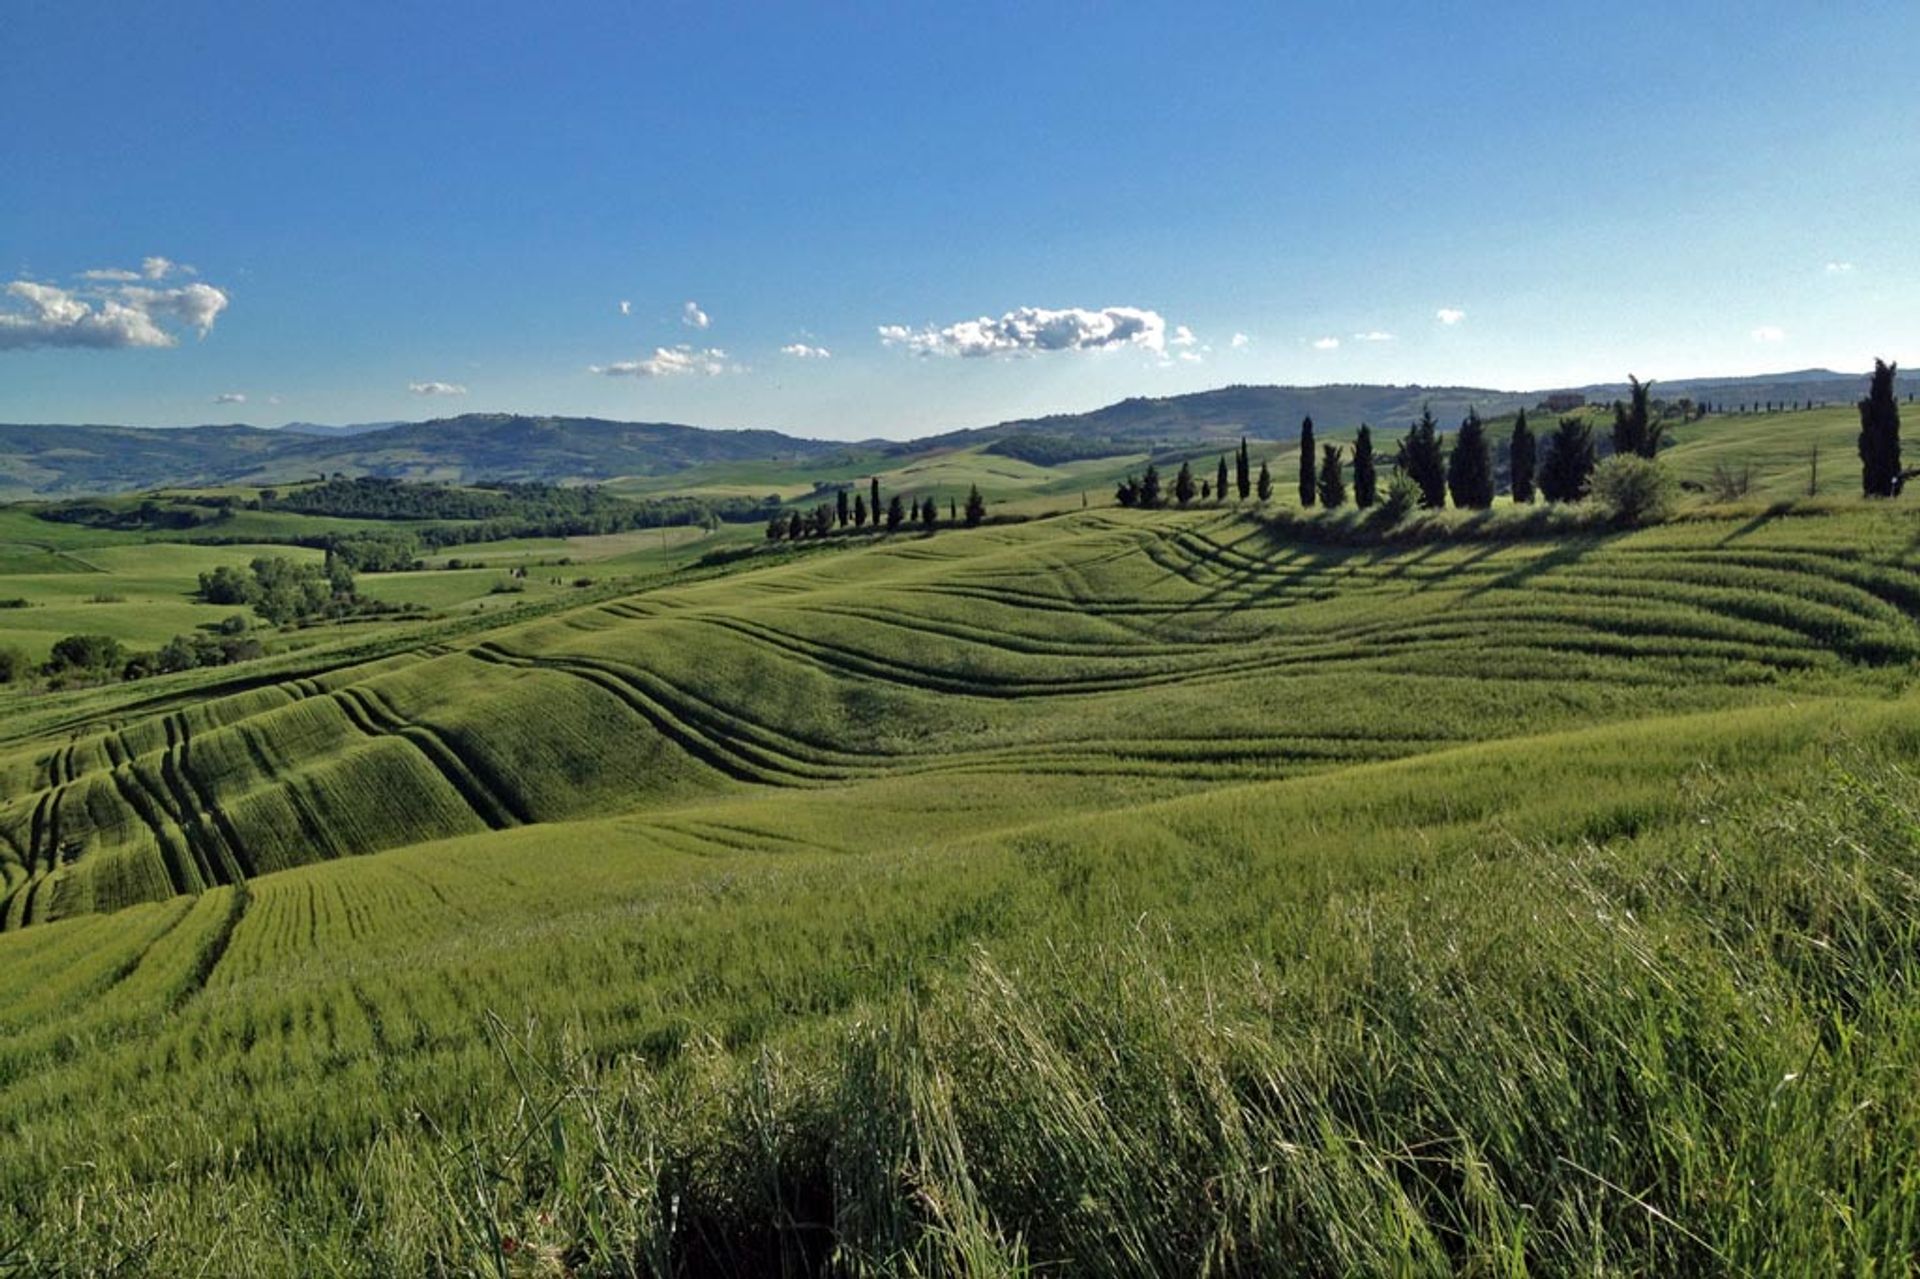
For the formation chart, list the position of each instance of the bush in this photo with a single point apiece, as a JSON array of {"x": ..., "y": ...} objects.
[
  {"x": 86, "y": 653},
  {"x": 15, "y": 602},
  {"x": 1728, "y": 483},
  {"x": 1399, "y": 501},
  {"x": 15, "y": 666},
  {"x": 236, "y": 624},
  {"x": 1633, "y": 490}
]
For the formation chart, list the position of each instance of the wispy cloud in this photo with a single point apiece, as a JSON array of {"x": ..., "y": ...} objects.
[
  {"x": 675, "y": 361},
  {"x": 626, "y": 307},
  {"x": 1769, "y": 333},
  {"x": 802, "y": 351},
  {"x": 1839, "y": 268},
  {"x": 1182, "y": 336},
  {"x": 230, "y": 397},
  {"x": 108, "y": 310},
  {"x": 1326, "y": 344},
  {"x": 1449, "y": 315},
  {"x": 1381, "y": 335},
  {"x": 1240, "y": 342},
  {"x": 693, "y": 317},
  {"x": 436, "y": 388},
  {"x": 1031, "y": 329}
]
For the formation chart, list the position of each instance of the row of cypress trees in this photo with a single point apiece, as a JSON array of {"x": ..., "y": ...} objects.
[{"x": 840, "y": 513}]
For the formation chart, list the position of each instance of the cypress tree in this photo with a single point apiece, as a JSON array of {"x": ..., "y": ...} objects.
[
  {"x": 1127, "y": 494},
  {"x": 1470, "y": 468},
  {"x": 1150, "y": 488},
  {"x": 873, "y": 499},
  {"x": 1220, "y": 480},
  {"x": 1306, "y": 462},
  {"x": 1333, "y": 480},
  {"x": 1265, "y": 487},
  {"x": 896, "y": 512},
  {"x": 1880, "y": 435},
  {"x": 1366, "y": 484},
  {"x": 1243, "y": 471},
  {"x": 953, "y": 511},
  {"x": 1634, "y": 430},
  {"x": 859, "y": 511},
  {"x": 1183, "y": 485},
  {"x": 795, "y": 526},
  {"x": 977, "y": 505},
  {"x": 1422, "y": 461},
  {"x": 1520, "y": 454},
  {"x": 776, "y": 527},
  {"x": 929, "y": 515},
  {"x": 1569, "y": 465},
  {"x": 841, "y": 502}
]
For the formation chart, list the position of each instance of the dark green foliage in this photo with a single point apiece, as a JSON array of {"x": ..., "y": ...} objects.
[
  {"x": 1568, "y": 470},
  {"x": 1521, "y": 459},
  {"x": 860, "y": 511},
  {"x": 873, "y": 498},
  {"x": 896, "y": 511},
  {"x": 15, "y": 665},
  {"x": 391, "y": 553},
  {"x": 1366, "y": 481},
  {"x": 1422, "y": 461},
  {"x": 1332, "y": 486},
  {"x": 1220, "y": 480},
  {"x": 1243, "y": 471},
  {"x": 1053, "y": 450},
  {"x": 1635, "y": 430},
  {"x": 1183, "y": 485},
  {"x": 1149, "y": 496},
  {"x": 1470, "y": 466},
  {"x": 929, "y": 515},
  {"x": 1265, "y": 488},
  {"x": 89, "y": 654},
  {"x": 842, "y": 513},
  {"x": 1307, "y": 484},
  {"x": 1127, "y": 492},
  {"x": 820, "y": 522},
  {"x": 226, "y": 585},
  {"x": 977, "y": 505},
  {"x": 795, "y": 526},
  {"x": 776, "y": 528},
  {"x": 1880, "y": 435}
]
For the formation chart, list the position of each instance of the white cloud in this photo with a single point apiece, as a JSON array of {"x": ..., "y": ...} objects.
[
  {"x": 801, "y": 351},
  {"x": 1449, "y": 315},
  {"x": 670, "y": 362},
  {"x": 436, "y": 388},
  {"x": 158, "y": 268},
  {"x": 1031, "y": 328},
  {"x": 1839, "y": 268},
  {"x": 1769, "y": 333},
  {"x": 1191, "y": 357},
  {"x": 230, "y": 397},
  {"x": 106, "y": 313},
  {"x": 1182, "y": 336},
  {"x": 693, "y": 317},
  {"x": 273, "y": 399},
  {"x": 1327, "y": 344},
  {"x": 1241, "y": 342},
  {"x": 1380, "y": 335},
  {"x": 626, "y": 307}
]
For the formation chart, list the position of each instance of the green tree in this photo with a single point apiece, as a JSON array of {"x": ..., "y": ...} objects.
[
  {"x": 977, "y": 505},
  {"x": 842, "y": 511},
  {"x": 15, "y": 665},
  {"x": 1243, "y": 471},
  {"x": 1470, "y": 467},
  {"x": 1150, "y": 488},
  {"x": 1306, "y": 462},
  {"x": 859, "y": 511},
  {"x": 929, "y": 515},
  {"x": 873, "y": 498},
  {"x": 1366, "y": 482},
  {"x": 1332, "y": 487},
  {"x": 1183, "y": 485},
  {"x": 1521, "y": 460},
  {"x": 1635, "y": 430},
  {"x": 1568, "y": 470},
  {"x": 1265, "y": 487},
  {"x": 1220, "y": 480},
  {"x": 795, "y": 526},
  {"x": 90, "y": 654},
  {"x": 896, "y": 513},
  {"x": 226, "y": 585},
  {"x": 1880, "y": 435},
  {"x": 1422, "y": 461},
  {"x": 1127, "y": 492}
]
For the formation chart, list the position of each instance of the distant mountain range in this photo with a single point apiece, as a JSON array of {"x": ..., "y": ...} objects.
[{"x": 50, "y": 461}]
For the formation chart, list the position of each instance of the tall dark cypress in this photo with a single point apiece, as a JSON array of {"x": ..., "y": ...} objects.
[
  {"x": 1243, "y": 471},
  {"x": 1150, "y": 487},
  {"x": 1183, "y": 485},
  {"x": 1634, "y": 430},
  {"x": 1568, "y": 470},
  {"x": 873, "y": 499},
  {"x": 1880, "y": 435},
  {"x": 1306, "y": 462},
  {"x": 1470, "y": 468},
  {"x": 1265, "y": 486},
  {"x": 1521, "y": 459},
  {"x": 1333, "y": 481},
  {"x": 1366, "y": 483},
  {"x": 1423, "y": 461},
  {"x": 1220, "y": 480},
  {"x": 842, "y": 513},
  {"x": 977, "y": 505}
]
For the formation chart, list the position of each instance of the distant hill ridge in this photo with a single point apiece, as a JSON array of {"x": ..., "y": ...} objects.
[{"x": 63, "y": 460}]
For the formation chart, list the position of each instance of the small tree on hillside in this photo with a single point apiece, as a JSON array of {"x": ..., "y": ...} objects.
[
  {"x": 1880, "y": 435},
  {"x": 896, "y": 513},
  {"x": 1127, "y": 492},
  {"x": 820, "y": 523},
  {"x": 1243, "y": 471},
  {"x": 1422, "y": 461},
  {"x": 1150, "y": 488},
  {"x": 1220, "y": 480},
  {"x": 795, "y": 526},
  {"x": 1520, "y": 459},
  {"x": 929, "y": 515},
  {"x": 1265, "y": 486},
  {"x": 1366, "y": 481},
  {"x": 953, "y": 510},
  {"x": 1569, "y": 466},
  {"x": 776, "y": 527},
  {"x": 1183, "y": 485},
  {"x": 842, "y": 513},
  {"x": 1635, "y": 430},
  {"x": 1470, "y": 467},
  {"x": 1333, "y": 479},
  {"x": 1306, "y": 462},
  {"x": 859, "y": 511},
  {"x": 977, "y": 505},
  {"x": 873, "y": 498}
]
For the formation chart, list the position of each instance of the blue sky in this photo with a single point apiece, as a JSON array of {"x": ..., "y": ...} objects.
[{"x": 359, "y": 212}]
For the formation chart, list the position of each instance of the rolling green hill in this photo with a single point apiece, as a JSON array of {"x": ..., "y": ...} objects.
[{"x": 1116, "y": 891}]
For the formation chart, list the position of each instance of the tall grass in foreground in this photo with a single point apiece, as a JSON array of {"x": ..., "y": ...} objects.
[{"x": 1690, "y": 1050}]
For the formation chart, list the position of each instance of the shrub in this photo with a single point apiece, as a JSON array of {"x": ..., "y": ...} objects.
[
  {"x": 15, "y": 602},
  {"x": 15, "y": 666},
  {"x": 1728, "y": 483},
  {"x": 234, "y": 624},
  {"x": 86, "y": 653},
  {"x": 1633, "y": 490},
  {"x": 1399, "y": 501}
]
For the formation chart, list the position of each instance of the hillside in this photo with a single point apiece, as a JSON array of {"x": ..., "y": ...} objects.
[{"x": 889, "y": 836}]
